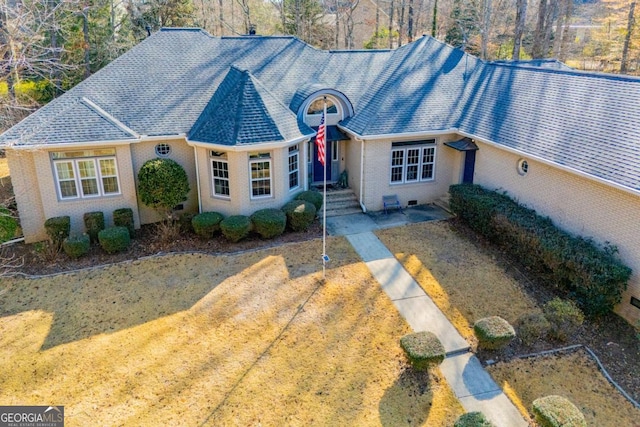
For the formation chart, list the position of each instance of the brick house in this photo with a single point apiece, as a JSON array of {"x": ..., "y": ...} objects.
[{"x": 239, "y": 113}]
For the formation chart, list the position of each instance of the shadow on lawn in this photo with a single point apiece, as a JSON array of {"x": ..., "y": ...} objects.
[
  {"x": 408, "y": 400},
  {"x": 122, "y": 296}
]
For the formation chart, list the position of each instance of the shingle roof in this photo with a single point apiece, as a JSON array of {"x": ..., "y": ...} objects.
[
  {"x": 172, "y": 80},
  {"x": 588, "y": 122},
  {"x": 243, "y": 111}
]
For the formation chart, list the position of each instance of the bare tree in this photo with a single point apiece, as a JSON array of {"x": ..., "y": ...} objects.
[
  {"x": 627, "y": 38},
  {"x": 547, "y": 11},
  {"x": 391, "y": 9},
  {"x": 521, "y": 17},
  {"x": 410, "y": 22},
  {"x": 246, "y": 15},
  {"x": 349, "y": 23}
]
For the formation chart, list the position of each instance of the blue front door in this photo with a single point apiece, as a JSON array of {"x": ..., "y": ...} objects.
[{"x": 317, "y": 166}]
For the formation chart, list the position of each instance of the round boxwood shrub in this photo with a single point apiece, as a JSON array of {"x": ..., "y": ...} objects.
[
  {"x": 207, "y": 224},
  {"x": 532, "y": 326},
  {"x": 557, "y": 411},
  {"x": 162, "y": 184},
  {"x": 269, "y": 223},
  {"x": 493, "y": 332},
  {"x": 423, "y": 349},
  {"x": 235, "y": 227},
  {"x": 564, "y": 317},
  {"x": 76, "y": 246},
  {"x": 58, "y": 229},
  {"x": 300, "y": 214},
  {"x": 124, "y": 218},
  {"x": 312, "y": 196},
  {"x": 114, "y": 239},
  {"x": 473, "y": 419},
  {"x": 93, "y": 224}
]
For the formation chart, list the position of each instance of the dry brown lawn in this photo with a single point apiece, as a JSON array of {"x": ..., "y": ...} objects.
[
  {"x": 248, "y": 339},
  {"x": 527, "y": 379},
  {"x": 467, "y": 284}
]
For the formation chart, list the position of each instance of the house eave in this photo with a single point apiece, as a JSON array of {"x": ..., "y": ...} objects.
[
  {"x": 402, "y": 135},
  {"x": 609, "y": 183},
  {"x": 249, "y": 147}
]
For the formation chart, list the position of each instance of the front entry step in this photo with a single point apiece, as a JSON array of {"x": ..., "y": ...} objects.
[{"x": 341, "y": 202}]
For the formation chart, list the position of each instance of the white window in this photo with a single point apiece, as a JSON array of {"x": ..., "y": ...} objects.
[
  {"x": 523, "y": 167},
  {"x": 413, "y": 161},
  {"x": 260, "y": 169},
  {"x": 163, "y": 150},
  {"x": 334, "y": 151},
  {"x": 82, "y": 174},
  {"x": 220, "y": 174},
  {"x": 294, "y": 167}
]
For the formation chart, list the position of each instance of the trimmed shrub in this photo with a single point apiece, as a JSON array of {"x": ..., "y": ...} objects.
[
  {"x": 300, "y": 214},
  {"x": 114, "y": 239},
  {"x": 162, "y": 185},
  {"x": 473, "y": 419},
  {"x": 311, "y": 196},
  {"x": 557, "y": 411},
  {"x": 93, "y": 224},
  {"x": 124, "y": 218},
  {"x": 236, "y": 227},
  {"x": 532, "y": 326},
  {"x": 423, "y": 349},
  {"x": 58, "y": 229},
  {"x": 564, "y": 317},
  {"x": 493, "y": 332},
  {"x": 8, "y": 225},
  {"x": 76, "y": 246},
  {"x": 207, "y": 224},
  {"x": 591, "y": 274},
  {"x": 269, "y": 223}
]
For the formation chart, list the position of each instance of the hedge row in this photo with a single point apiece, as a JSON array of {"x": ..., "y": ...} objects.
[
  {"x": 590, "y": 274},
  {"x": 111, "y": 239},
  {"x": 297, "y": 214}
]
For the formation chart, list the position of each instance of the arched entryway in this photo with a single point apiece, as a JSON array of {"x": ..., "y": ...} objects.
[{"x": 338, "y": 108}]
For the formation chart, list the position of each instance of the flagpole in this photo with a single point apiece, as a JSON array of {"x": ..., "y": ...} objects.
[{"x": 324, "y": 196}]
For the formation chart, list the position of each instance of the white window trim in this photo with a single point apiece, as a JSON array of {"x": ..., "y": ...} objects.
[
  {"x": 405, "y": 151},
  {"x": 78, "y": 180},
  {"x": 296, "y": 154},
  {"x": 252, "y": 180},
  {"x": 214, "y": 178}
]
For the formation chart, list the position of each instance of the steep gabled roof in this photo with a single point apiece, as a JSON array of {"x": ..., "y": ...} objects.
[{"x": 243, "y": 112}]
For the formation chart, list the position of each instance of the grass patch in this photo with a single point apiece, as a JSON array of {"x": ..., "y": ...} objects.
[
  {"x": 465, "y": 283},
  {"x": 592, "y": 394},
  {"x": 216, "y": 340}
]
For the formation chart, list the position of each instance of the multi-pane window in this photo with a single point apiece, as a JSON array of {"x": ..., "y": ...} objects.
[
  {"x": 413, "y": 161},
  {"x": 82, "y": 174},
  {"x": 294, "y": 167},
  {"x": 220, "y": 174},
  {"x": 260, "y": 170}
]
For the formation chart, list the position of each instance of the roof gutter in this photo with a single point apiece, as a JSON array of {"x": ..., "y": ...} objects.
[
  {"x": 398, "y": 135},
  {"x": 569, "y": 169},
  {"x": 66, "y": 145},
  {"x": 249, "y": 147}
]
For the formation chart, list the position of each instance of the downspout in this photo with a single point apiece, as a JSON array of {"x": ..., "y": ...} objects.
[
  {"x": 362, "y": 206},
  {"x": 195, "y": 155}
]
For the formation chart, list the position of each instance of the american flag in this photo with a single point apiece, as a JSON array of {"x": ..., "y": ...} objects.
[{"x": 320, "y": 140}]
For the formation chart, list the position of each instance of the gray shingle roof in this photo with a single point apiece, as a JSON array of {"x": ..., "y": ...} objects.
[
  {"x": 243, "y": 111},
  {"x": 173, "y": 79},
  {"x": 584, "y": 121}
]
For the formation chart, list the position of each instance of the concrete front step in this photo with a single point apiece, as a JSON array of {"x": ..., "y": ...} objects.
[{"x": 341, "y": 202}]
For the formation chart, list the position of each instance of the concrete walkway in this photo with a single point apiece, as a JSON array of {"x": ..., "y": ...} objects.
[{"x": 472, "y": 385}]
